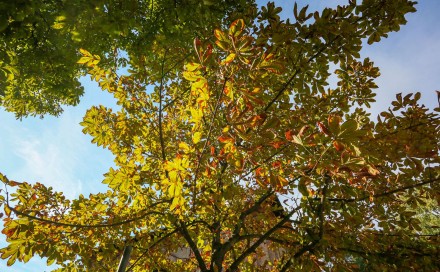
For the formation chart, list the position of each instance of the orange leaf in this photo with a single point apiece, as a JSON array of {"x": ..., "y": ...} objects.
[
  {"x": 14, "y": 183},
  {"x": 338, "y": 146},
  {"x": 323, "y": 128},
  {"x": 276, "y": 164},
  {"x": 225, "y": 139},
  {"x": 289, "y": 135},
  {"x": 277, "y": 144},
  {"x": 259, "y": 171}
]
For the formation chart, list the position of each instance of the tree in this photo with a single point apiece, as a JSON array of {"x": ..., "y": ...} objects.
[
  {"x": 204, "y": 149},
  {"x": 39, "y": 42}
]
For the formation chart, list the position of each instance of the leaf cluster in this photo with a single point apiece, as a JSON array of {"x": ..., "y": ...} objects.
[{"x": 239, "y": 157}]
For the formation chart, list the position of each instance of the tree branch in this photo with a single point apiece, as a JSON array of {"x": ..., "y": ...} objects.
[
  {"x": 315, "y": 241},
  {"x": 348, "y": 200},
  {"x": 162, "y": 144},
  {"x": 264, "y": 237},
  {"x": 151, "y": 246},
  {"x": 105, "y": 225},
  {"x": 193, "y": 246}
]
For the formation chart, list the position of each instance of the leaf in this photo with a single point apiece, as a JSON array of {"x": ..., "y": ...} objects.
[
  {"x": 282, "y": 181},
  {"x": 50, "y": 260},
  {"x": 12, "y": 259},
  {"x": 192, "y": 66},
  {"x": 289, "y": 135},
  {"x": 84, "y": 60},
  {"x": 7, "y": 210},
  {"x": 196, "y": 137},
  {"x": 322, "y": 128},
  {"x": 348, "y": 127},
  {"x": 417, "y": 96},
  {"x": 184, "y": 146},
  {"x": 85, "y": 52},
  {"x": 333, "y": 123},
  {"x": 297, "y": 140},
  {"x": 58, "y": 25},
  {"x": 236, "y": 28},
  {"x": 13, "y": 183},
  {"x": 225, "y": 139},
  {"x": 220, "y": 35},
  {"x": 338, "y": 146},
  {"x": 228, "y": 59},
  {"x": 222, "y": 45},
  {"x": 373, "y": 171},
  {"x": 302, "y": 188}
]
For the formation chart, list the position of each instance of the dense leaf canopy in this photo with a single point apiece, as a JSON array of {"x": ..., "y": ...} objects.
[
  {"x": 39, "y": 42},
  {"x": 232, "y": 153}
]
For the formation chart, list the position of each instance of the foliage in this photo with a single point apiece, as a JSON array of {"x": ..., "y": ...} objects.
[
  {"x": 205, "y": 150},
  {"x": 39, "y": 42}
]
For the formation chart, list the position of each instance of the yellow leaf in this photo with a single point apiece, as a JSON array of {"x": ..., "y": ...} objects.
[
  {"x": 184, "y": 146},
  {"x": 60, "y": 18},
  {"x": 7, "y": 210},
  {"x": 373, "y": 171},
  {"x": 171, "y": 189},
  {"x": 228, "y": 59},
  {"x": 58, "y": 25},
  {"x": 219, "y": 35},
  {"x": 282, "y": 181},
  {"x": 229, "y": 90},
  {"x": 223, "y": 45},
  {"x": 83, "y": 60},
  {"x": 191, "y": 76},
  {"x": 10, "y": 77},
  {"x": 177, "y": 202},
  {"x": 192, "y": 66},
  {"x": 172, "y": 176},
  {"x": 196, "y": 115},
  {"x": 196, "y": 137},
  {"x": 85, "y": 52},
  {"x": 236, "y": 27}
]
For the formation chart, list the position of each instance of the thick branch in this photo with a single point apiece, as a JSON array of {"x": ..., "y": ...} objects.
[
  {"x": 125, "y": 259},
  {"x": 193, "y": 247},
  {"x": 252, "y": 209},
  {"x": 263, "y": 238},
  {"x": 151, "y": 246}
]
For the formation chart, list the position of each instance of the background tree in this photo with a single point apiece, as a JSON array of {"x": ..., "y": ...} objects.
[
  {"x": 39, "y": 42},
  {"x": 203, "y": 150}
]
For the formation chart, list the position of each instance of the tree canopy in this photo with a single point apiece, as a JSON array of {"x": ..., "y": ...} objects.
[
  {"x": 233, "y": 153},
  {"x": 39, "y": 42}
]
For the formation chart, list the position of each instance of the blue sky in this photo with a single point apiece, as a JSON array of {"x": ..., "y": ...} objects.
[{"x": 55, "y": 152}]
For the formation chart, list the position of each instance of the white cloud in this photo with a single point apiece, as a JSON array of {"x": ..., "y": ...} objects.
[
  {"x": 50, "y": 164},
  {"x": 49, "y": 155},
  {"x": 55, "y": 152}
]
